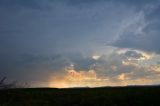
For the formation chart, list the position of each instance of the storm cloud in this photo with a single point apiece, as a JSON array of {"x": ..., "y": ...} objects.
[
  {"x": 115, "y": 40},
  {"x": 143, "y": 32}
]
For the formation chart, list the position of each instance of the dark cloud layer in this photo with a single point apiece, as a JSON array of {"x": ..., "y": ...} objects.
[
  {"x": 38, "y": 38},
  {"x": 143, "y": 34}
]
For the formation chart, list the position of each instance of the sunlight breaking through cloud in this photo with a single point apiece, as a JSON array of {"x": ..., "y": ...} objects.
[{"x": 125, "y": 69}]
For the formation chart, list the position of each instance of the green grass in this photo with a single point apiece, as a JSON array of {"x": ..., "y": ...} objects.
[{"x": 111, "y": 96}]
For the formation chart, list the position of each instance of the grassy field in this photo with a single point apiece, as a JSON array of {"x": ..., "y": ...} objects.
[{"x": 109, "y": 96}]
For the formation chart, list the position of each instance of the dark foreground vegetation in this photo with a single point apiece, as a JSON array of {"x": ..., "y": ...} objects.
[{"x": 107, "y": 96}]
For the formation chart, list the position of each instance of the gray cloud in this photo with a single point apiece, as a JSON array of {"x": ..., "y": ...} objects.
[
  {"x": 117, "y": 64},
  {"x": 38, "y": 68},
  {"x": 40, "y": 37},
  {"x": 62, "y": 28},
  {"x": 143, "y": 33},
  {"x": 133, "y": 54}
]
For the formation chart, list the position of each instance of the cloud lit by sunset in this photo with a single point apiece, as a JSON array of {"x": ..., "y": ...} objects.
[
  {"x": 80, "y": 43},
  {"x": 125, "y": 70}
]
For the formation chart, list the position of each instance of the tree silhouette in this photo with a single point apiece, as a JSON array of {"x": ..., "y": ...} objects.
[
  {"x": 13, "y": 84},
  {"x": 2, "y": 80}
]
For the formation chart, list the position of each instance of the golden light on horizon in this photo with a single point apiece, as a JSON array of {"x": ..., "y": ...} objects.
[
  {"x": 122, "y": 77},
  {"x": 99, "y": 76},
  {"x": 90, "y": 79},
  {"x": 75, "y": 79}
]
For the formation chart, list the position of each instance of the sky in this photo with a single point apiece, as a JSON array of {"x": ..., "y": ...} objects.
[{"x": 80, "y": 43}]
